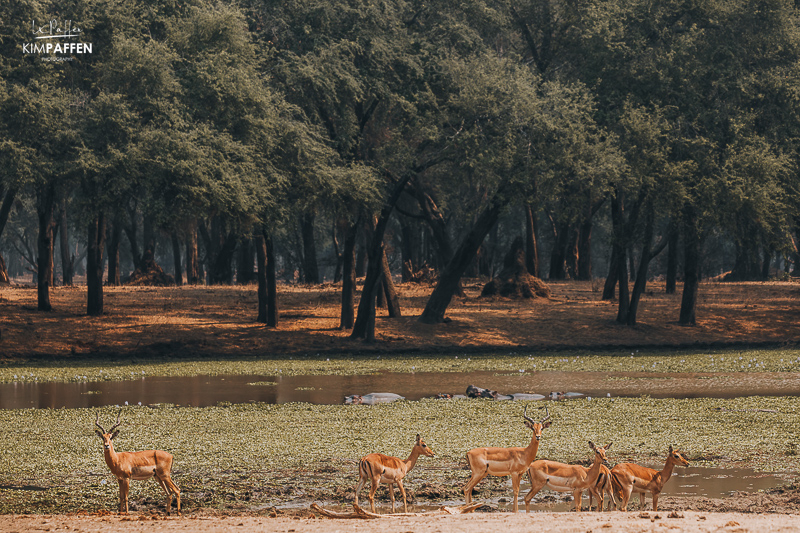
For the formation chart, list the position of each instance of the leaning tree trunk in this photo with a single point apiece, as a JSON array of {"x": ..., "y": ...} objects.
[
  {"x": 44, "y": 273},
  {"x": 641, "y": 275},
  {"x": 451, "y": 275},
  {"x": 364, "y": 327},
  {"x": 349, "y": 276},
  {"x": 94, "y": 265},
  {"x": 691, "y": 270},
  {"x": 389, "y": 290}
]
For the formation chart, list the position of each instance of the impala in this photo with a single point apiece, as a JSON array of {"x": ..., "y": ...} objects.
[
  {"x": 137, "y": 465},
  {"x": 506, "y": 461},
  {"x": 602, "y": 487},
  {"x": 629, "y": 478},
  {"x": 566, "y": 478},
  {"x": 379, "y": 468}
]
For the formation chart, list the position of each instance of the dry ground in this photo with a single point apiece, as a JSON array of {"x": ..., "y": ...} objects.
[
  {"x": 183, "y": 321},
  {"x": 693, "y": 521}
]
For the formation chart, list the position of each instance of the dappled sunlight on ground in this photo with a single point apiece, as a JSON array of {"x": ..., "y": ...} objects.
[{"x": 221, "y": 319}]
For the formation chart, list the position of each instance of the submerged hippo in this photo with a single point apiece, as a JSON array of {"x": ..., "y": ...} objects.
[
  {"x": 564, "y": 395},
  {"x": 524, "y": 396},
  {"x": 372, "y": 398},
  {"x": 478, "y": 392}
]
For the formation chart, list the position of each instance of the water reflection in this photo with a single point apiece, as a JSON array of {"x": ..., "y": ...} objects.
[{"x": 331, "y": 389}]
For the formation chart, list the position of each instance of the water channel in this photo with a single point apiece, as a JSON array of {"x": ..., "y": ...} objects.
[{"x": 203, "y": 391}]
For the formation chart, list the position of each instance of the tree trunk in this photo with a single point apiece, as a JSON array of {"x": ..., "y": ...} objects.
[
  {"x": 617, "y": 251},
  {"x": 349, "y": 276},
  {"x": 672, "y": 262},
  {"x": 5, "y": 211},
  {"x": 622, "y": 278},
  {"x": 176, "y": 258},
  {"x": 222, "y": 264},
  {"x": 272, "y": 284},
  {"x": 66, "y": 259},
  {"x": 192, "y": 263},
  {"x": 114, "y": 266},
  {"x": 766, "y": 264},
  {"x": 244, "y": 269},
  {"x": 691, "y": 269},
  {"x": 585, "y": 247},
  {"x": 149, "y": 237},
  {"x": 339, "y": 226},
  {"x": 131, "y": 231},
  {"x": 310, "y": 268},
  {"x": 365, "y": 322},
  {"x": 44, "y": 263},
  {"x": 389, "y": 290},
  {"x": 644, "y": 263},
  {"x": 94, "y": 265},
  {"x": 561, "y": 236},
  {"x": 571, "y": 254},
  {"x": 449, "y": 279},
  {"x": 531, "y": 244},
  {"x": 261, "y": 273}
]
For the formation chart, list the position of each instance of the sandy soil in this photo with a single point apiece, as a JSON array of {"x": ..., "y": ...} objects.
[
  {"x": 474, "y": 523},
  {"x": 190, "y": 321}
]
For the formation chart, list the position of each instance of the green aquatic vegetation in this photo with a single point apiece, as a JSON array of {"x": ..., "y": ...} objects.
[
  {"x": 264, "y": 383},
  {"x": 248, "y": 456},
  {"x": 509, "y": 363}
]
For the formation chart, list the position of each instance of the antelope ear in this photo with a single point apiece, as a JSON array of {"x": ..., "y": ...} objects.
[
  {"x": 114, "y": 434},
  {"x": 546, "y": 424},
  {"x": 591, "y": 445},
  {"x": 670, "y": 448},
  {"x": 418, "y": 438},
  {"x": 609, "y": 445},
  {"x": 98, "y": 433}
]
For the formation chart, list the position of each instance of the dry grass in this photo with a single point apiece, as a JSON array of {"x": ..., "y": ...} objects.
[{"x": 220, "y": 320}]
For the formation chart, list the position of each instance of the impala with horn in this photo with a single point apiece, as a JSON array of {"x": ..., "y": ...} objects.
[
  {"x": 137, "y": 465},
  {"x": 506, "y": 461},
  {"x": 379, "y": 468}
]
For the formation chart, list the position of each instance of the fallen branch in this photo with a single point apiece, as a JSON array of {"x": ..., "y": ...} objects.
[{"x": 358, "y": 512}]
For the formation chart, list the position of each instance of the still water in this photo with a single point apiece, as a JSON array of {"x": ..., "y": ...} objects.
[
  {"x": 692, "y": 481},
  {"x": 202, "y": 391}
]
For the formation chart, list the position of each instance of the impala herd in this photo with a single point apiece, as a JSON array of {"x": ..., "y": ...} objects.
[{"x": 619, "y": 483}]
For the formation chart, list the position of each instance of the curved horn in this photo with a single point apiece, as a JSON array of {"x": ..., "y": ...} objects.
[
  {"x": 118, "y": 424},
  {"x": 97, "y": 423},
  {"x": 546, "y": 414},
  {"x": 526, "y": 417}
]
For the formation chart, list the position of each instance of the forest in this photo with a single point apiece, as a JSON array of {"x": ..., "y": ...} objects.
[{"x": 311, "y": 141}]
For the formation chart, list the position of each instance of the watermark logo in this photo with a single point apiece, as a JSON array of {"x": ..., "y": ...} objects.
[{"x": 55, "y": 41}]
